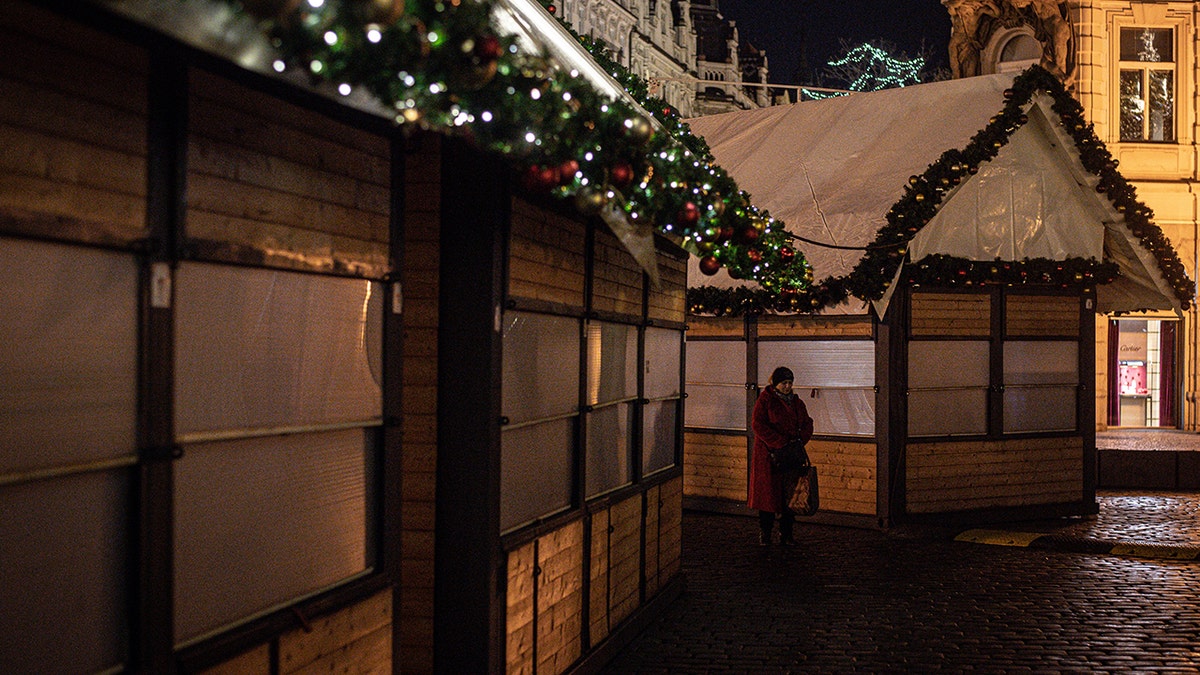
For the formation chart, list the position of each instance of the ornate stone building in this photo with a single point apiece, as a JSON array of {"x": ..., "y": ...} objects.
[
  {"x": 1133, "y": 67},
  {"x": 688, "y": 50}
]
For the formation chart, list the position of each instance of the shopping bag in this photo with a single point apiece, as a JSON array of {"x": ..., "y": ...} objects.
[{"x": 805, "y": 497}]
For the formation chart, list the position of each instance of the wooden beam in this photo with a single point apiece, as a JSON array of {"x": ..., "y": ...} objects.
[{"x": 469, "y": 614}]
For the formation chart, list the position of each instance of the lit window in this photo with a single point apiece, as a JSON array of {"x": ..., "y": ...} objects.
[{"x": 1147, "y": 84}]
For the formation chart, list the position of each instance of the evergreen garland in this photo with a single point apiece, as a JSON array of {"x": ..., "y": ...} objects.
[{"x": 872, "y": 275}]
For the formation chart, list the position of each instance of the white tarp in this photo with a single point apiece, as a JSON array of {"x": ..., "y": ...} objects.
[{"x": 832, "y": 169}]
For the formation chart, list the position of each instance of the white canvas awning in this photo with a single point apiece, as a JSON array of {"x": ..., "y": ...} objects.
[{"x": 832, "y": 169}]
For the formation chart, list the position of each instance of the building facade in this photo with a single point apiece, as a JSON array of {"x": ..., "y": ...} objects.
[
  {"x": 1133, "y": 67},
  {"x": 690, "y": 53}
]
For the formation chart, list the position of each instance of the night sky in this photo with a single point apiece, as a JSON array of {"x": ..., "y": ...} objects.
[{"x": 781, "y": 26}]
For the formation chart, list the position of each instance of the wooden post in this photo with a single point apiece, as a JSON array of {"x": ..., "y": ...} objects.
[
  {"x": 1085, "y": 415},
  {"x": 891, "y": 401},
  {"x": 392, "y": 448},
  {"x": 153, "y": 608},
  {"x": 468, "y": 624}
]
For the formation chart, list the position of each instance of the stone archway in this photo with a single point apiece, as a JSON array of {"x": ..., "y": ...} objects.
[{"x": 982, "y": 29}]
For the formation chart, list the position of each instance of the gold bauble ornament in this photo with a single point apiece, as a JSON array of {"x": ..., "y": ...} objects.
[
  {"x": 638, "y": 130},
  {"x": 472, "y": 76},
  {"x": 590, "y": 201}
]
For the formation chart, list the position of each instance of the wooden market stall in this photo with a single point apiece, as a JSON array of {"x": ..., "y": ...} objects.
[
  {"x": 986, "y": 226},
  {"x": 287, "y": 390}
]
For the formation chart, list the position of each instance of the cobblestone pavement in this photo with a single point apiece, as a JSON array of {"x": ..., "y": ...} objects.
[
  {"x": 1166, "y": 521},
  {"x": 850, "y": 600}
]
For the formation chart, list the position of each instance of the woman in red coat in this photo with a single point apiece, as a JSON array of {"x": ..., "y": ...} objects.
[{"x": 779, "y": 416}]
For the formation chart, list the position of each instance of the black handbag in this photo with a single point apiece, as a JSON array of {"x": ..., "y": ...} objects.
[{"x": 791, "y": 457}]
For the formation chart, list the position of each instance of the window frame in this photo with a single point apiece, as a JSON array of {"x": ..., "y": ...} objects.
[{"x": 1145, "y": 69}]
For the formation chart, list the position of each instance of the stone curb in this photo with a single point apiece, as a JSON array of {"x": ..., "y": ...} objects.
[{"x": 1054, "y": 542}]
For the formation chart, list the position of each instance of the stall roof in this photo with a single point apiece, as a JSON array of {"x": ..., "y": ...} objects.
[{"x": 832, "y": 169}]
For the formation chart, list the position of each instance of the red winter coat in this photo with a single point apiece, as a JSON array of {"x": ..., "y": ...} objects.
[{"x": 776, "y": 421}]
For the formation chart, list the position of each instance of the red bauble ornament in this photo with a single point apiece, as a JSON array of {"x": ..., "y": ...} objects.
[
  {"x": 754, "y": 255},
  {"x": 621, "y": 174},
  {"x": 725, "y": 233},
  {"x": 688, "y": 214},
  {"x": 552, "y": 9},
  {"x": 709, "y": 265},
  {"x": 567, "y": 171},
  {"x": 487, "y": 48},
  {"x": 786, "y": 254},
  {"x": 747, "y": 235},
  {"x": 540, "y": 178}
]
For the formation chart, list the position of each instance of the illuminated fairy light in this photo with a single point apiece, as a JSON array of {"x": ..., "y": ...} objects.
[
  {"x": 316, "y": 4},
  {"x": 486, "y": 116},
  {"x": 316, "y": 66},
  {"x": 331, "y": 38},
  {"x": 344, "y": 89},
  {"x": 279, "y": 66},
  {"x": 535, "y": 94},
  {"x": 374, "y": 35},
  {"x": 530, "y": 137},
  {"x": 879, "y": 69}
]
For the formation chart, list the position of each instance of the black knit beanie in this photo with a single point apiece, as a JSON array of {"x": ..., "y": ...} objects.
[{"x": 782, "y": 373}]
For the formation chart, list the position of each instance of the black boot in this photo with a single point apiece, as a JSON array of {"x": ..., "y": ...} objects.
[
  {"x": 766, "y": 523},
  {"x": 786, "y": 523}
]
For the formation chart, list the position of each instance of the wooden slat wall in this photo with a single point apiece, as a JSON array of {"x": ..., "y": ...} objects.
[
  {"x": 669, "y": 303},
  {"x": 951, "y": 314},
  {"x": 651, "y": 558},
  {"x": 546, "y": 256},
  {"x": 598, "y": 593},
  {"x": 72, "y": 130},
  {"x": 625, "y": 552},
  {"x": 711, "y": 326},
  {"x": 1041, "y": 316},
  {"x": 254, "y": 662},
  {"x": 419, "y": 278},
  {"x": 714, "y": 465},
  {"x": 291, "y": 186},
  {"x": 814, "y": 327},
  {"x": 670, "y": 530},
  {"x": 847, "y": 473},
  {"x": 560, "y": 599},
  {"x": 943, "y": 477},
  {"x": 357, "y": 639},
  {"x": 617, "y": 279},
  {"x": 520, "y": 643}
]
